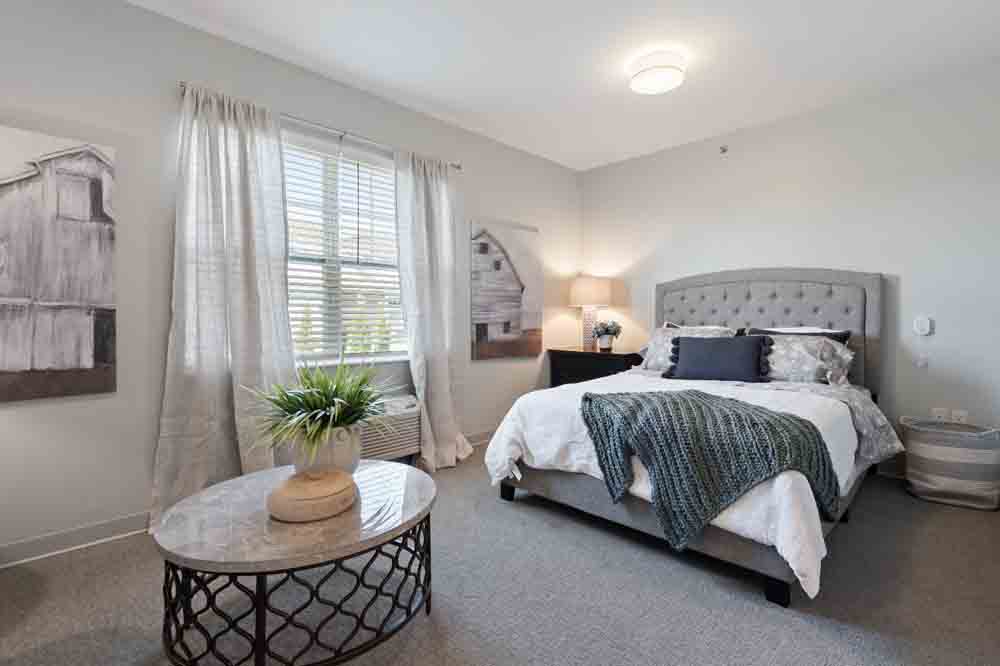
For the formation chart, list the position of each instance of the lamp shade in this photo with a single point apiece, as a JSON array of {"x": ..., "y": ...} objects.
[{"x": 590, "y": 291}]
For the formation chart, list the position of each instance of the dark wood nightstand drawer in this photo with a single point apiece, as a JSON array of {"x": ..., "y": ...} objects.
[{"x": 569, "y": 366}]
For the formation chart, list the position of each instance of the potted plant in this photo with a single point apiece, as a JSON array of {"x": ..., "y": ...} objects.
[
  {"x": 321, "y": 417},
  {"x": 605, "y": 332}
]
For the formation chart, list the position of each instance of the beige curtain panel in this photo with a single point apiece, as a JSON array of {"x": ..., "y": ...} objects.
[
  {"x": 429, "y": 247},
  {"x": 230, "y": 325}
]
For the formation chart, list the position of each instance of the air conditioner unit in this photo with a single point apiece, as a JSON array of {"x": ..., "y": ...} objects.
[{"x": 398, "y": 435}]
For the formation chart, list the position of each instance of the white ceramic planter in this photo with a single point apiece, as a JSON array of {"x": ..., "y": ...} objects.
[
  {"x": 604, "y": 342},
  {"x": 341, "y": 452}
]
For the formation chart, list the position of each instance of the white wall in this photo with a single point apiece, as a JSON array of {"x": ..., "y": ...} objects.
[
  {"x": 108, "y": 72},
  {"x": 906, "y": 183}
]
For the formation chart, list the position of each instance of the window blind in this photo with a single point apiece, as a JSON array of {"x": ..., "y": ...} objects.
[{"x": 343, "y": 267}]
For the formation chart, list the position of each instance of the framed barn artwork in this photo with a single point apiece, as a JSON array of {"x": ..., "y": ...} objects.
[
  {"x": 57, "y": 240},
  {"x": 506, "y": 291}
]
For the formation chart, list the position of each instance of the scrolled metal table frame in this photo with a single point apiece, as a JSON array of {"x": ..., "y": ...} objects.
[{"x": 182, "y": 586}]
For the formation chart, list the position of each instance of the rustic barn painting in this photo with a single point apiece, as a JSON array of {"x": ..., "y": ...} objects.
[
  {"x": 57, "y": 238},
  {"x": 506, "y": 292}
]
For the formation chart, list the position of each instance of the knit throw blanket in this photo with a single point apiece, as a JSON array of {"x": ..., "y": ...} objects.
[{"x": 703, "y": 452}]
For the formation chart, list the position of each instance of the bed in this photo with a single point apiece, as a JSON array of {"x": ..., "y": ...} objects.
[{"x": 770, "y": 297}]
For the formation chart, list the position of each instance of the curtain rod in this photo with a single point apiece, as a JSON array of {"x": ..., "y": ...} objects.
[{"x": 342, "y": 133}]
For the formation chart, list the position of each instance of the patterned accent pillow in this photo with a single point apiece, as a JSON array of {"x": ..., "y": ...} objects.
[
  {"x": 806, "y": 358},
  {"x": 660, "y": 343}
]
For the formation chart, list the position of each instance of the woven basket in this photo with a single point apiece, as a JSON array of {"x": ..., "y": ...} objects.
[{"x": 953, "y": 463}]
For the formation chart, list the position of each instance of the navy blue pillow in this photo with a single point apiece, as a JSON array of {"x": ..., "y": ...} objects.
[{"x": 741, "y": 359}]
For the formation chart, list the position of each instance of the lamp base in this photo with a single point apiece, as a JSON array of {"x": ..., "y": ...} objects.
[{"x": 589, "y": 320}]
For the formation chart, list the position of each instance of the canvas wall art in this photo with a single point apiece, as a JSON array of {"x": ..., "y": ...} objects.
[
  {"x": 506, "y": 291},
  {"x": 57, "y": 240}
]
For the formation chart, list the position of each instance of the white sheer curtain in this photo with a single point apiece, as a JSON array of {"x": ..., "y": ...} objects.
[
  {"x": 230, "y": 314},
  {"x": 429, "y": 246}
]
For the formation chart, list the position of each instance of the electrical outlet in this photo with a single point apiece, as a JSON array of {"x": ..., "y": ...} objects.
[
  {"x": 960, "y": 415},
  {"x": 939, "y": 413}
]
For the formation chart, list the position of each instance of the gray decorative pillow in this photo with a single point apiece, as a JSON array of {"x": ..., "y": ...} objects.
[
  {"x": 660, "y": 343},
  {"x": 804, "y": 358}
]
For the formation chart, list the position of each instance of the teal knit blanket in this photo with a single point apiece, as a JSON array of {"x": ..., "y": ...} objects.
[{"x": 703, "y": 452}]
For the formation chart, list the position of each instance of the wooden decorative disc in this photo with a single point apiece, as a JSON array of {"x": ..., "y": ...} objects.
[{"x": 307, "y": 497}]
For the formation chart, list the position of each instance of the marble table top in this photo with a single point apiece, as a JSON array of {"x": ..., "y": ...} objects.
[{"x": 226, "y": 527}]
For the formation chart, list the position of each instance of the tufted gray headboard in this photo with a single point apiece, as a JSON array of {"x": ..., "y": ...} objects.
[{"x": 767, "y": 297}]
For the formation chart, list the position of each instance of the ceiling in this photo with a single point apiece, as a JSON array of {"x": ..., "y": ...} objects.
[{"x": 547, "y": 76}]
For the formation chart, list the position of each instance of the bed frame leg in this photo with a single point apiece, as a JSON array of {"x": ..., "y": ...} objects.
[
  {"x": 506, "y": 492},
  {"x": 777, "y": 591},
  {"x": 846, "y": 516}
]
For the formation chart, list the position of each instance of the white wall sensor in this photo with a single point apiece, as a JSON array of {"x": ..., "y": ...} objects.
[{"x": 923, "y": 325}]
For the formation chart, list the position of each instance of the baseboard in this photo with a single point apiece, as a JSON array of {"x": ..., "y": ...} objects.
[
  {"x": 19, "y": 552},
  {"x": 480, "y": 438}
]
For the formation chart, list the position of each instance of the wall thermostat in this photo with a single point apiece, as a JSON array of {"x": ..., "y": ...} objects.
[{"x": 923, "y": 325}]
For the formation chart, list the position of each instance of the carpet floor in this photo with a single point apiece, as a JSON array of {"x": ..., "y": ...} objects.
[{"x": 529, "y": 582}]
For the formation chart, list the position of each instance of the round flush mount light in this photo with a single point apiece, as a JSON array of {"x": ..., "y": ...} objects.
[{"x": 656, "y": 73}]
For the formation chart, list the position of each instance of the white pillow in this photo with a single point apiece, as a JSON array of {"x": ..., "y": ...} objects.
[
  {"x": 670, "y": 324},
  {"x": 660, "y": 343},
  {"x": 801, "y": 329}
]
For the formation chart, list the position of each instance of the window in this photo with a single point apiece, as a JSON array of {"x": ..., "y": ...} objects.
[
  {"x": 80, "y": 197},
  {"x": 74, "y": 197},
  {"x": 343, "y": 266},
  {"x": 97, "y": 200}
]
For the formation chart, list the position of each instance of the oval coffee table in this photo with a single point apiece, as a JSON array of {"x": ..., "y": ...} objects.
[{"x": 242, "y": 588}]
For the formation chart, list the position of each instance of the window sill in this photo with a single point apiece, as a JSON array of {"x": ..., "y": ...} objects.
[{"x": 354, "y": 360}]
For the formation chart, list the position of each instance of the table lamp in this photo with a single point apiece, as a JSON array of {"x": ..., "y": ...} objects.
[{"x": 591, "y": 294}]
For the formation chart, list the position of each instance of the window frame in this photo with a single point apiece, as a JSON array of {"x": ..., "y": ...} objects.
[{"x": 331, "y": 263}]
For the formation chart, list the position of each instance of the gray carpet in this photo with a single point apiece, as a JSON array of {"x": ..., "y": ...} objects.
[{"x": 907, "y": 582}]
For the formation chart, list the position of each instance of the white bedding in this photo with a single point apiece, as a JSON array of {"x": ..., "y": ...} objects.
[{"x": 545, "y": 430}]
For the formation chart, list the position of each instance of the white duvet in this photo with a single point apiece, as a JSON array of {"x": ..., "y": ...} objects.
[{"x": 545, "y": 430}]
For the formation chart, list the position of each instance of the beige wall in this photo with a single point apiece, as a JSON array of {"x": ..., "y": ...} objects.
[
  {"x": 107, "y": 72},
  {"x": 906, "y": 183}
]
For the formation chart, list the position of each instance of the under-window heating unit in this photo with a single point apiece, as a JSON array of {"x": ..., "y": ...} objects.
[{"x": 398, "y": 435}]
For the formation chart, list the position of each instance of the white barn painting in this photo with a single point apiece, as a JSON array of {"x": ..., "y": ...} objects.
[
  {"x": 506, "y": 291},
  {"x": 57, "y": 238}
]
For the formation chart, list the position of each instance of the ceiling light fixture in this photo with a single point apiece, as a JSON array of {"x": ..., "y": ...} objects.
[{"x": 656, "y": 73}]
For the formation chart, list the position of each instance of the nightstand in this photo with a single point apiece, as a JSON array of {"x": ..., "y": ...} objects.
[{"x": 569, "y": 365}]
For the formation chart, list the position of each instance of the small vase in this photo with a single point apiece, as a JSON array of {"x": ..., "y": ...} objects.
[
  {"x": 341, "y": 452},
  {"x": 604, "y": 342}
]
